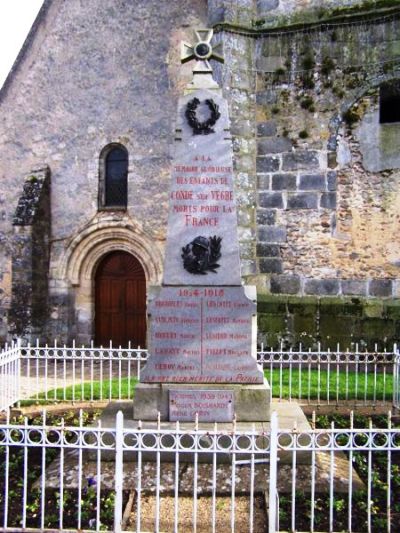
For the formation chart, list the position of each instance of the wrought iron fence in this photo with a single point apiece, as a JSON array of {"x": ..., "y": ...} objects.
[
  {"x": 10, "y": 359},
  {"x": 332, "y": 377},
  {"x": 113, "y": 478},
  {"x": 341, "y": 479},
  {"x": 396, "y": 382},
  {"x": 79, "y": 373}
]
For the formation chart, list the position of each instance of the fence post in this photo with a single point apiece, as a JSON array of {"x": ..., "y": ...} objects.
[
  {"x": 19, "y": 371},
  {"x": 273, "y": 478},
  {"x": 396, "y": 378},
  {"x": 119, "y": 471}
]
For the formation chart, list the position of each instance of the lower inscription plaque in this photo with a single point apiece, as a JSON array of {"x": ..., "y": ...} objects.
[{"x": 210, "y": 405}]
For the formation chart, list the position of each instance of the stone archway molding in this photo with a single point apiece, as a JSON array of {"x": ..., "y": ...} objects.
[
  {"x": 101, "y": 237},
  {"x": 337, "y": 119}
]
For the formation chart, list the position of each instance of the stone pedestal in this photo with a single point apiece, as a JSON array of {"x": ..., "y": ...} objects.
[{"x": 251, "y": 402}]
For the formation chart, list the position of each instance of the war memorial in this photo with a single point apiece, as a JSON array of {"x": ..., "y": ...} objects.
[
  {"x": 202, "y": 320},
  {"x": 221, "y": 221}
]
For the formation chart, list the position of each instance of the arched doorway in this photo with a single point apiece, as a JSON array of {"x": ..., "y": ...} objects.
[{"x": 120, "y": 301}]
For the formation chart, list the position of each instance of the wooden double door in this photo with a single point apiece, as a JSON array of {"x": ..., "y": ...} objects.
[{"x": 120, "y": 301}]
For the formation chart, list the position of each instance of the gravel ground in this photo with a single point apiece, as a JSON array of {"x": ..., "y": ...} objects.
[
  {"x": 205, "y": 476},
  {"x": 204, "y": 515}
]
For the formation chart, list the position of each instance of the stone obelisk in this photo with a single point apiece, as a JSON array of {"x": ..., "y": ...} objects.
[{"x": 202, "y": 321}]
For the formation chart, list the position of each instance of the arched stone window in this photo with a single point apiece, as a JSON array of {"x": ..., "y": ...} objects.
[{"x": 113, "y": 183}]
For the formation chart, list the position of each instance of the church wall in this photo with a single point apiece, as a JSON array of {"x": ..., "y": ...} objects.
[
  {"x": 85, "y": 89},
  {"x": 316, "y": 174},
  {"x": 30, "y": 260},
  {"x": 95, "y": 73},
  {"x": 255, "y": 14},
  {"x": 309, "y": 10},
  {"x": 315, "y": 191}
]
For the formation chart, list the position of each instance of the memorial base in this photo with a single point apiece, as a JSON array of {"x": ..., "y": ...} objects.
[
  {"x": 290, "y": 415},
  {"x": 251, "y": 402}
]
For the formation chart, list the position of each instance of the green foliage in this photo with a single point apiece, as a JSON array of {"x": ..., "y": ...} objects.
[
  {"x": 353, "y": 81},
  {"x": 365, "y": 6},
  {"x": 308, "y": 103},
  {"x": 303, "y": 385},
  {"x": 259, "y": 23},
  {"x": 280, "y": 71},
  {"x": 278, "y": 74},
  {"x": 351, "y": 117},
  {"x": 388, "y": 67},
  {"x": 340, "y": 502},
  {"x": 303, "y": 134},
  {"x": 308, "y": 61},
  {"x": 364, "y": 9},
  {"x": 293, "y": 384},
  {"x": 94, "y": 390},
  {"x": 285, "y": 95},
  {"x": 52, "y": 497},
  {"x": 327, "y": 65},
  {"x": 308, "y": 81},
  {"x": 338, "y": 91}
]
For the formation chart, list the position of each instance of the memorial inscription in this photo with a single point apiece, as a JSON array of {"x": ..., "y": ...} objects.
[
  {"x": 208, "y": 405},
  {"x": 202, "y": 321},
  {"x": 202, "y": 195},
  {"x": 202, "y": 203},
  {"x": 202, "y": 335}
]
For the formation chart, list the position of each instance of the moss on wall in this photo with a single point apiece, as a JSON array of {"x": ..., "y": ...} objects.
[
  {"x": 347, "y": 321},
  {"x": 316, "y": 15}
]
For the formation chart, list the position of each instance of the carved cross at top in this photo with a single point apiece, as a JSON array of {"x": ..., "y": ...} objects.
[{"x": 202, "y": 49}]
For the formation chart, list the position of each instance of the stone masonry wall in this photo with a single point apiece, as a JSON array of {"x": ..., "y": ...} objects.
[
  {"x": 300, "y": 10},
  {"x": 314, "y": 192},
  {"x": 92, "y": 73},
  {"x": 319, "y": 210},
  {"x": 297, "y": 135},
  {"x": 30, "y": 262},
  {"x": 349, "y": 322},
  {"x": 285, "y": 13},
  {"x": 312, "y": 212}
]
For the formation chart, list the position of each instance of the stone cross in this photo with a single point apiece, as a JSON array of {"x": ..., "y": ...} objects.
[{"x": 202, "y": 50}]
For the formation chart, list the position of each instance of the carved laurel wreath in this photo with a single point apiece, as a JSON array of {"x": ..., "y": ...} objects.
[
  {"x": 205, "y": 127},
  {"x": 201, "y": 255}
]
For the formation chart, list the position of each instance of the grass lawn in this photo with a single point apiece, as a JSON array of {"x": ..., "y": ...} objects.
[
  {"x": 350, "y": 386},
  {"x": 284, "y": 385}
]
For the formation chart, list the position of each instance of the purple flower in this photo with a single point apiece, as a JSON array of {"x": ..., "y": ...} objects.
[{"x": 91, "y": 481}]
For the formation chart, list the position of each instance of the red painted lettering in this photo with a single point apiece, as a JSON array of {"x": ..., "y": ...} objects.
[{"x": 226, "y": 196}]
